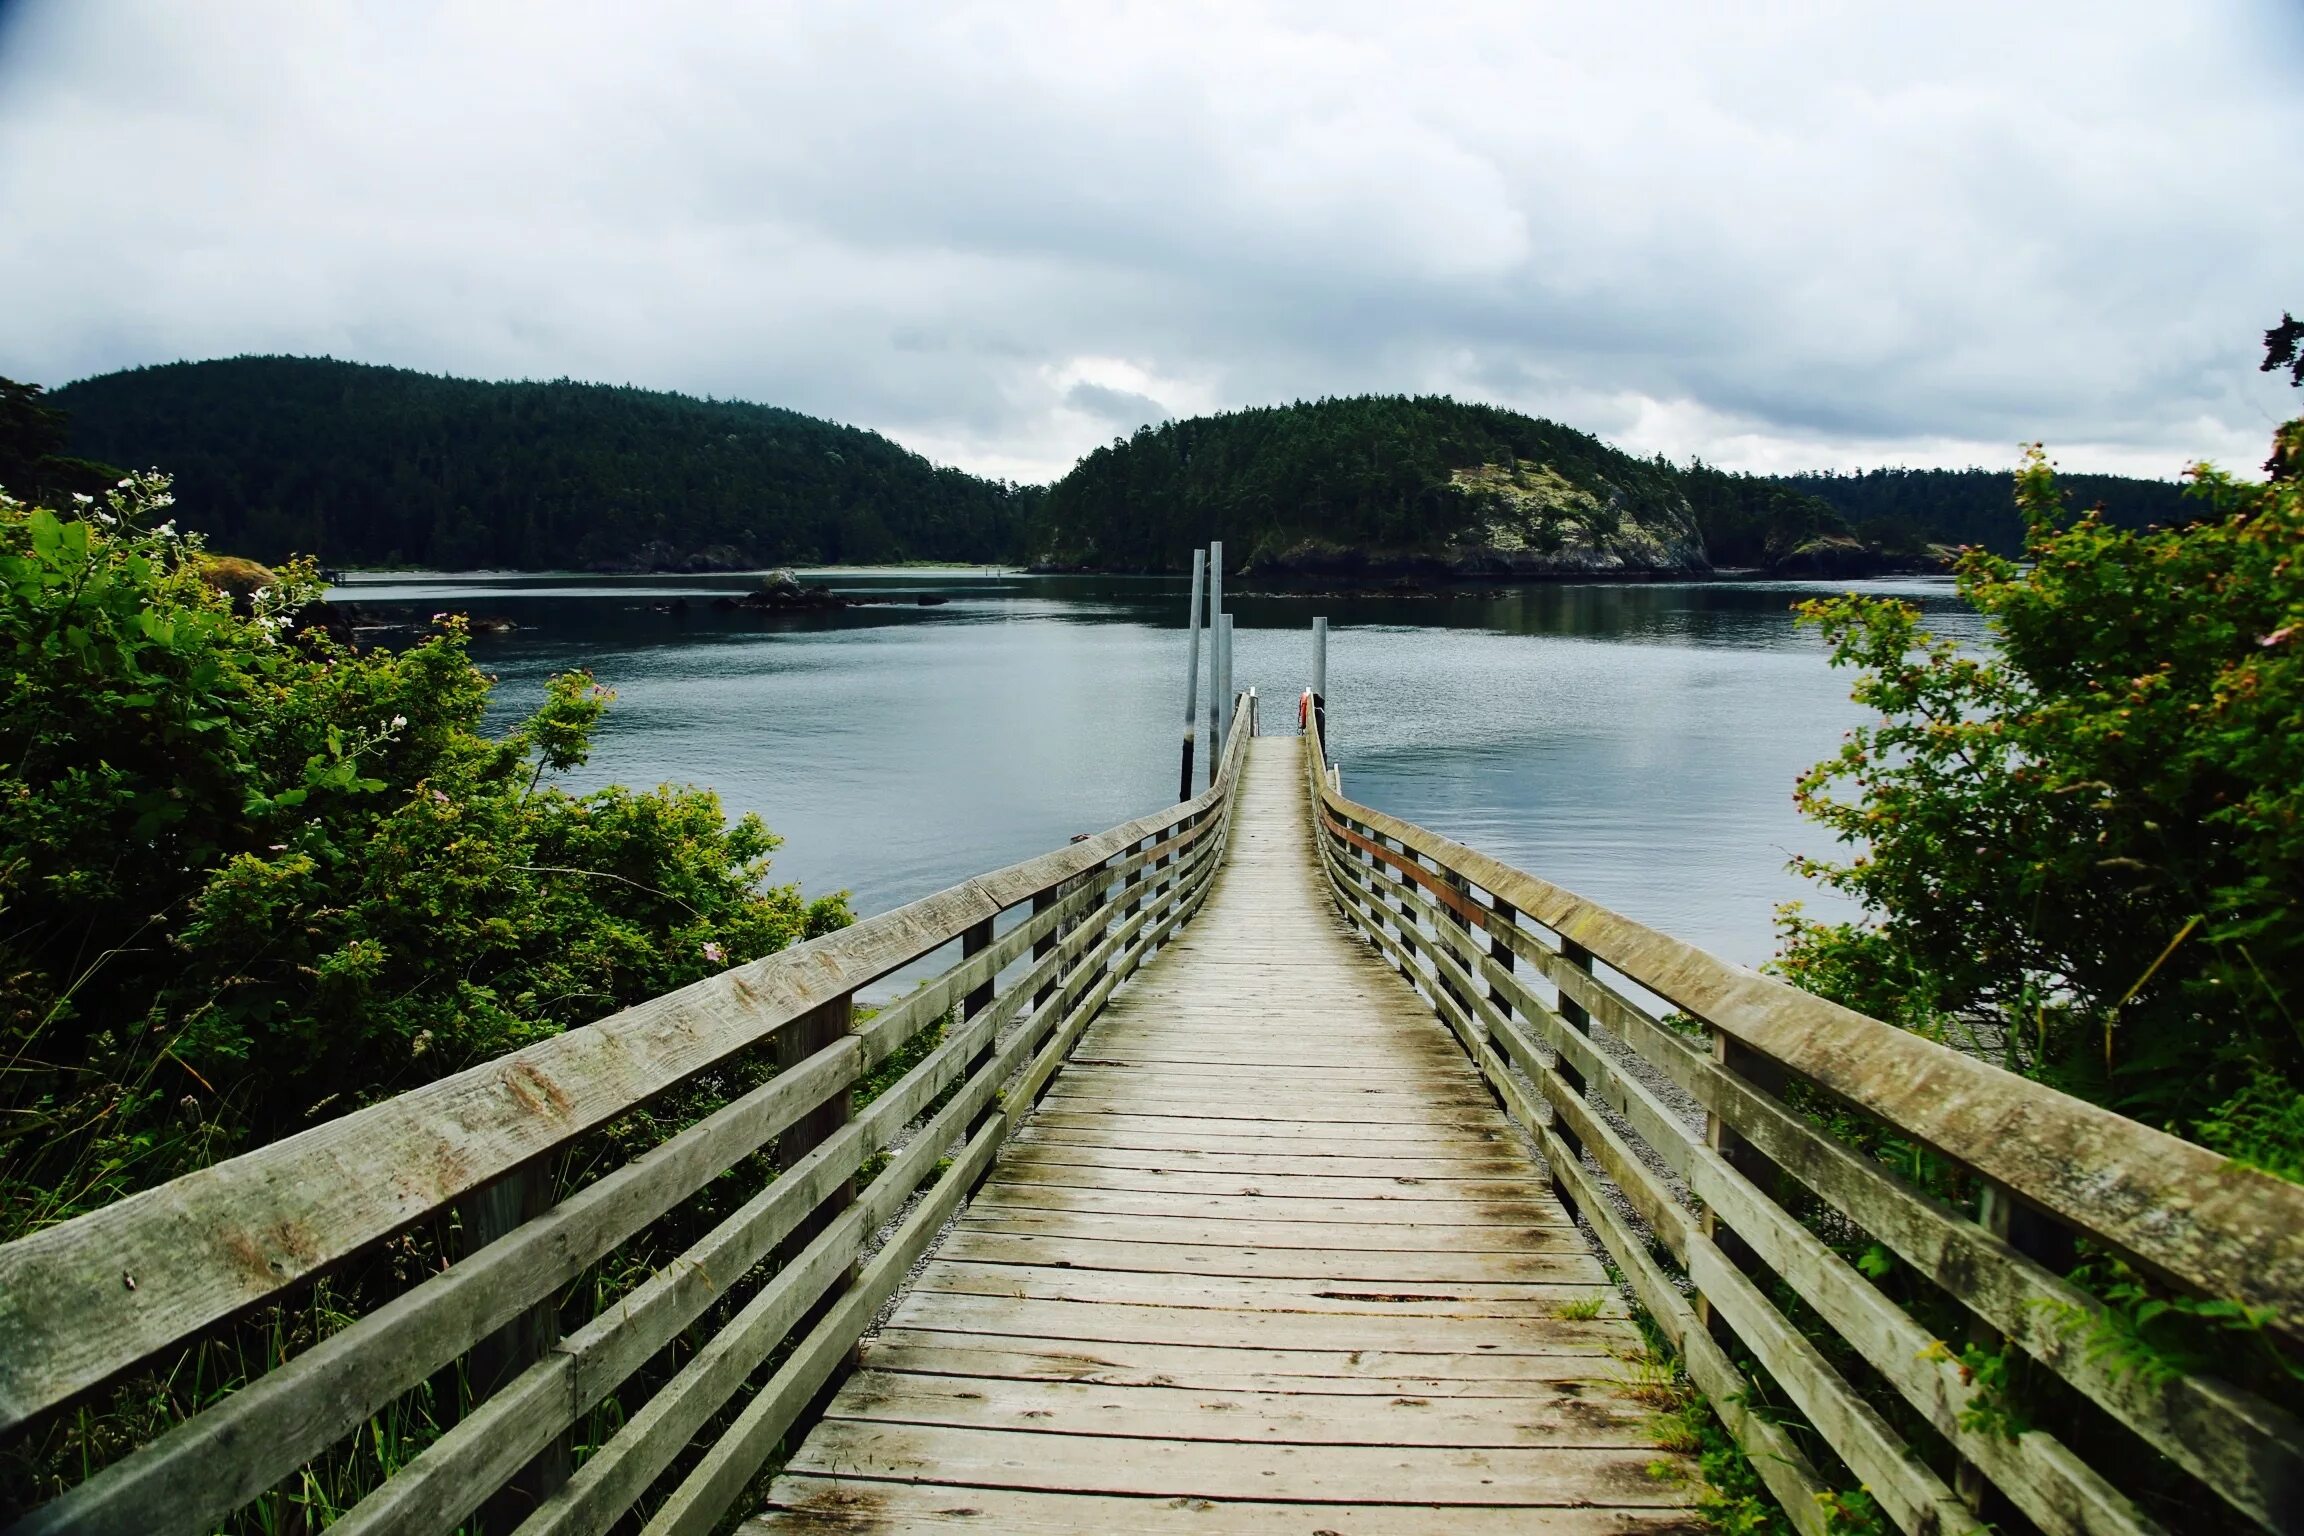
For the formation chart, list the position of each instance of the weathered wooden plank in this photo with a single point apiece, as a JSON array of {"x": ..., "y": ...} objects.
[
  {"x": 1387, "y": 1298},
  {"x": 1330, "y": 1371},
  {"x": 1409, "y": 1266},
  {"x": 708, "y": 1491},
  {"x": 1664, "y": 1131},
  {"x": 1028, "y": 1151},
  {"x": 1054, "y": 1117},
  {"x": 1333, "y": 1236},
  {"x": 1390, "y": 1188},
  {"x": 436, "y": 1488},
  {"x": 1648, "y": 1195},
  {"x": 1914, "y": 1497},
  {"x": 1252, "y": 1418},
  {"x": 1354, "y": 1475},
  {"x": 1240, "y": 1329},
  {"x": 815, "y": 1506},
  {"x": 1272, "y": 1210}
]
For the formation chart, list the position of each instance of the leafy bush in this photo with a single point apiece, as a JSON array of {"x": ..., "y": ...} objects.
[
  {"x": 2082, "y": 855},
  {"x": 250, "y": 878}
]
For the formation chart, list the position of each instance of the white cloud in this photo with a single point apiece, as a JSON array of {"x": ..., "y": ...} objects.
[{"x": 1811, "y": 235}]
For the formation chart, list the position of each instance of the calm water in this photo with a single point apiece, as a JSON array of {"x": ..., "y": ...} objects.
[{"x": 1635, "y": 743}]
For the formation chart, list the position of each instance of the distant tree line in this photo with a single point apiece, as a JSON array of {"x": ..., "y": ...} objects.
[
  {"x": 1907, "y": 508},
  {"x": 365, "y": 465}
]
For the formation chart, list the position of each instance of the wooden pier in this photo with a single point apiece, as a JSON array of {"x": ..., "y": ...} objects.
[
  {"x": 1266, "y": 1163},
  {"x": 1267, "y": 1258}
]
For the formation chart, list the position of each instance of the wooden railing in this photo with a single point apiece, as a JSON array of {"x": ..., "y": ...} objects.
[
  {"x": 791, "y": 1278},
  {"x": 1692, "y": 1136}
]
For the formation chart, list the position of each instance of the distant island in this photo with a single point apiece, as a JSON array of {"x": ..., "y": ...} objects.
[
  {"x": 361, "y": 465},
  {"x": 370, "y": 466}
]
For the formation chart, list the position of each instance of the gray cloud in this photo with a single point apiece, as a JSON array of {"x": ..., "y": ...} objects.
[
  {"x": 998, "y": 231},
  {"x": 1123, "y": 408}
]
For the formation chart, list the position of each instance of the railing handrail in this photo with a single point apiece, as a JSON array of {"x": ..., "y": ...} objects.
[
  {"x": 2183, "y": 1212},
  {"x": 87, "y": 1300},
  {"x": 2218, "y": 1226}
]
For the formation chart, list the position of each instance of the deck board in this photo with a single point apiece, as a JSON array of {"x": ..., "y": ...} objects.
[{"x": 1267, "y": 1258}]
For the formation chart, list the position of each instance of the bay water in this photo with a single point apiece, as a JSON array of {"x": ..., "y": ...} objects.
[{"x": 1636, "y": 743}]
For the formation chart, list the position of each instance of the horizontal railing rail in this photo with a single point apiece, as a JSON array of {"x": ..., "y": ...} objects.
[
  {"x": 772, "y": 1296},
  {"x": 1692, "y": 1139}
]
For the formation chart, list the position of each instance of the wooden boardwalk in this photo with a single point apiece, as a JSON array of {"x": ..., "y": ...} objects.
[{"x": 1267, "y": 1258}]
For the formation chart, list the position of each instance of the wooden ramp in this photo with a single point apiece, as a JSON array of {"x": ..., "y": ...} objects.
[{"x": 1267, "y": 1258}]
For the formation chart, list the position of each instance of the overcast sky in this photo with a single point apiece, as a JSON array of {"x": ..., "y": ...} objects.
[{"x": 1772, "y": 235}]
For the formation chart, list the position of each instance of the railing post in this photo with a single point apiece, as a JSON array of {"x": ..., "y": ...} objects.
[
  {"x": 1320, "y": 676},
  {"x": 1047, "y": 941},
  {"x": 1216, "y": 721},
  {"x": 2036, "y": 1237},
  {"x": 819, "y": 1027},
  {"x": 974, "y": 942},
  {"x": 1403, "y": 914},
  {"x": 1502, "y": 914},
  {"x": 486, "y": 1215},
  {"x": 1578, "y": 1018},
  {"x": 1191, "y": 679},
  {"x": 802, "y": 1038},
  {"x": 1462, "y": 889},
  {"x": 1224, "y": 664},
  {"x": 1766, "y": 1074}
]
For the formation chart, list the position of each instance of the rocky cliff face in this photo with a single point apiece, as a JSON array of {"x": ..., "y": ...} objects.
[
  {"x": 1523, "y": 519},
  {"x": 1528, "y": 517}
]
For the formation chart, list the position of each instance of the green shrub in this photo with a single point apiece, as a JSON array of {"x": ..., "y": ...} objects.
[
  {"x": 2082, "y": 855},
  {"x": 250, "y": 878}
]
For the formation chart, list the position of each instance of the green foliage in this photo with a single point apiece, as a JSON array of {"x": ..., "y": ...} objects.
[
  {"x": 1368, "y": 475},
  {"x": 2081, "y": 855},
  {"x": 1994, "y": 1409},
  {"x": 1751, "y": 521},
  {"x": 32, "y": 458},
  {"x": 2149, "y": 1331},
  {"x": 2284, "y": 348},
  {"x": 250, "y": 879},
  {"x": 357, "y": 464},
  {"x": 1733, "y": 1500}
]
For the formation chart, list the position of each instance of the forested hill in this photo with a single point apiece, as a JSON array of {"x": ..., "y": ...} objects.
[
  {"x": 366, "y": 465},
  {"x": 1371, "y": 482},
  {"x": 359, "y": 464},
  {"x": 1975, "y": 506},
  {"x": 1399, "y": 483}
]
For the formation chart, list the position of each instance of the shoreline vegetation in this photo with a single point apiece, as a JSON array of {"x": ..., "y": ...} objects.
[{"x": 381, "y": 468}]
